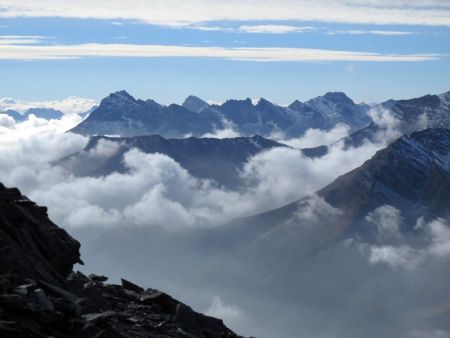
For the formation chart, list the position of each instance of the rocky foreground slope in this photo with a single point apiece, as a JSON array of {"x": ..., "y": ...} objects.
[{"x": 40, "y": 295}]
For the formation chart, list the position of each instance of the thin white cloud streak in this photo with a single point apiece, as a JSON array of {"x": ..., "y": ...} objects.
[
  {"x": 71, "y": 105},
  {"x": 40, "y": 37},
  {"x": 257, "y": 29},
  {"x": 161, "y": 12},
  {"x": 63, "y": 52},
  {"x": 274, "y": 29},
  {"x": 372, "y": 32},
  {"x": 21, "y": 39}
]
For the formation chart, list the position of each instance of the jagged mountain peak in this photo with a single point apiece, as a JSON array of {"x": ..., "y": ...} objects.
[
  {"x": 262, "y": 102},
  {"x": 330, "y": 99},
  {"x": 122, "y": 93},
  {"x": 445, "y": 97},
  {"x": 121, "y": 97},
  {"x": 194, "y": 104},
  {"x": 248, "y": 102},
  {"x": 338, "y": 97},
  {"x": 298, "y": 105}
]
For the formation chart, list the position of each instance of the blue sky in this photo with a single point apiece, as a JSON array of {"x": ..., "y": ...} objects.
[{"x": 281, "y": 50}]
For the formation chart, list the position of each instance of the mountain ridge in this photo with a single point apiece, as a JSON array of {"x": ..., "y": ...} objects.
[
  {"x": 220, "y": 160},
  {"x": 122, "y": 114}
]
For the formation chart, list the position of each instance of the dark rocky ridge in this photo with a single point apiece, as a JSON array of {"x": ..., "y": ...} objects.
[
  {"x": 412, "y": 175},
  {"x": 40, "y": 295},
  {"x": 220, "y": 160}
]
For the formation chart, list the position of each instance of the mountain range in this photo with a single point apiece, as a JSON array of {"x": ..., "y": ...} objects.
[
  {"x": 123, "y": 115},
  {"x": 43, "y": 113},
  {"x": 405, "y": 116}
]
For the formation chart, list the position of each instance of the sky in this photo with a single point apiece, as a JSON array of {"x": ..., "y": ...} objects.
[{"x": 281, "y": 50}]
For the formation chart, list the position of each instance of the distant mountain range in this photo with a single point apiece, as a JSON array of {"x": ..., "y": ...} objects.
[
  {"x": 429, "y": 111},
  {"x": 43, "y": 113},
  {"x": 123, "y": 115}
]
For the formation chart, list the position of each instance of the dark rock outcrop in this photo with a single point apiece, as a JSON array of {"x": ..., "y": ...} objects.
[{"x": 40, "y": 295}]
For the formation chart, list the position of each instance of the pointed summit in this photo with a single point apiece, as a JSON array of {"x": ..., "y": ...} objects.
[
  {"x": 264, "y": 102},
  {"x": 194, "y": 104},
  {"x": 118, "y": 98},
  {"x": 338, "y": 97},
  {"x": 297, "y": 105}
]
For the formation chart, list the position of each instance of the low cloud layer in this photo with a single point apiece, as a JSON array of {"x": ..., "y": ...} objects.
[
  {"x": 315, "y": 137},
  {"x": 71, "y": 105},
  {"x": 156, "y": 190},
  {"x": 432, "y": 240}
]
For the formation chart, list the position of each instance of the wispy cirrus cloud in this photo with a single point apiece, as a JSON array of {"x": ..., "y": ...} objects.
[
  {"x": 274, "y": 29},
  {"x": 257, "y": 29},
  {"x": 161, "y": 12},
  {"x": 266, "y": 54},
  {"x": 371, "y": 32},
  {"x": 21, "y": 39}
]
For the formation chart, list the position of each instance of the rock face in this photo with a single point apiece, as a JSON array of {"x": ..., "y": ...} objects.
[
  {"x": 123, "y": 115},
  {"x": 40, "y": 296},
  {"x": 31, "y": 245}
]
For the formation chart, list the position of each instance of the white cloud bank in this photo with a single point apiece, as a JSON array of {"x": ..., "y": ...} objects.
[
  {"x": 161, "y": 12},
  {"x": 263, "y": 54},
  {"x": 71, "y": 105},
  {"x": 156, "y": 190},
  {"x": 432, "y": 240},
  {"x": 316, "y": 137}
]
